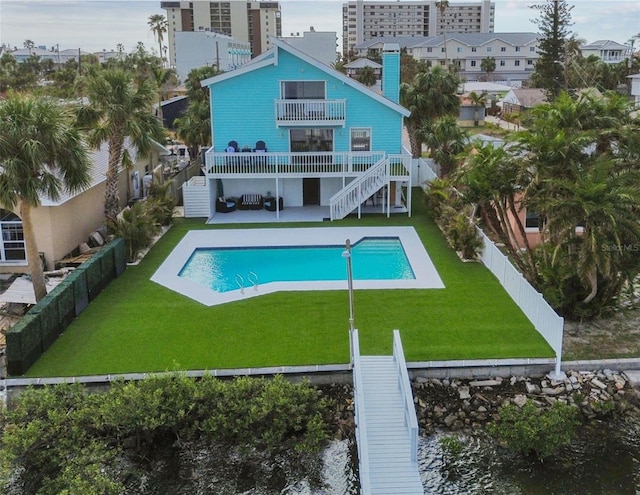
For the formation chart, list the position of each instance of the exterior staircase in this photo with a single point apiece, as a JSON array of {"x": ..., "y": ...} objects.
[{"x": 358, "y": 190}]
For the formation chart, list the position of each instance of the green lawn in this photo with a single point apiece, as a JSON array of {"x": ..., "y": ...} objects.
[{"x": 135, "y": 325}]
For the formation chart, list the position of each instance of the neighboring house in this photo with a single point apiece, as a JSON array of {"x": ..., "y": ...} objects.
[
  {"x": 313, "y": 136},
  {"x": 520, "y": 100},
  {"x": 320, "y": 45},
  {"x": 515, "y": 54},
  {"x": 173, "y": 109},
  {"x": 353, "y": 68},
  {"x": 608, "y": 51},
  {"x": 206, "y": 49},
  {"x": 63, "y": 224},
  {"x": 469, "y": 113},
  {"x": 635, "y": 88},
  {"x": 58, "y": 57}
]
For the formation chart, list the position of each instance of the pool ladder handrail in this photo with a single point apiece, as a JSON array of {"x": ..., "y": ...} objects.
[
  {"x": 240, "y": 283},
  {"x": 253, "y": 278}
]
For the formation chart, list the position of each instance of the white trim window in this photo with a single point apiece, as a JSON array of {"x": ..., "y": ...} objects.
[
  {"x": 12, "y": 246},
  {"x": 360, "y": 139}
]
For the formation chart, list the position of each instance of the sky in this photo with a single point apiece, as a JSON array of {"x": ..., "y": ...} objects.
[{"x": 96, "y": 25}]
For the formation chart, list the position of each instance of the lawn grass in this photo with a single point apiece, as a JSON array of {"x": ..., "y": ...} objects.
[{"x": 135, "y": 325}]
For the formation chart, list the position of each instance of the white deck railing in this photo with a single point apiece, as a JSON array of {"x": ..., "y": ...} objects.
[
  {"x": 285, "y": 164},
  {"x": 305, "y": 112},
  {"x": 360, "y": 416},
  {"x": 411, "y": 419},
  {"x": 357, "y": 191},
  {"x": 536, "y": 309}
]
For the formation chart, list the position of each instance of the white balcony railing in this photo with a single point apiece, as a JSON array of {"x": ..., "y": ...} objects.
[
  {"x": 305, "y": 112},
  {"x": 284, "y": 164}
]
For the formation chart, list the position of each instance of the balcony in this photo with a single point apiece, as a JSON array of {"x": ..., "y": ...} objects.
[
  {"x": 303, "y": 113},
  {"x": 284, "y": 164}
]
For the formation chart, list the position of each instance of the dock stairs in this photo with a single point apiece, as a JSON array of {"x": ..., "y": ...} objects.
[{"x": 386, "y": 423}]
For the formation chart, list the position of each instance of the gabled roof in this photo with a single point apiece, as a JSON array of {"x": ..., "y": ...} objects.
[
  {"x": 360, "y": 63},
  {"x": 529, "y": 98},
  {"x": 271, "y": 58},
  {"x": 605, "y": 45}
]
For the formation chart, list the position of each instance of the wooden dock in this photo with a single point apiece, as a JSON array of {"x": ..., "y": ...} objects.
[{"x": 387, "y": 428}]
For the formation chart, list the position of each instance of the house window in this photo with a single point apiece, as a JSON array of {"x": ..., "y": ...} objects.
[
  {"x": 429, "y": 50},
  {"x": 361, "y": 139},
  {"x": 474, "y": 49},
  {"x": 442, "y": 49},
  {"x": 529, "y": 61},
  {"x": 459, "y": 49},
  {"x": 303, "y": 90},
  {"x": 473, "y": 63},
  {"x": 307, "y": 140},
  {"x": 488, "y": 49},
  {"x": 517, "y": 48},
  {"x": 532, "y": 48},
  {"x": 517, "y": 63},
  {"x": 532, "y": 221},
  {"x": 12, "y": 245},
  {"x": 502, "y": 63}
]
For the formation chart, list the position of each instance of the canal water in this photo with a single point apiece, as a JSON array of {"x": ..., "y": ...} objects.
[{"x": 604, "y": 459}]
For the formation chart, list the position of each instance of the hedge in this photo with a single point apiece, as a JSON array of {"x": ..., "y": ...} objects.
[{"x": 41, "y": 326}]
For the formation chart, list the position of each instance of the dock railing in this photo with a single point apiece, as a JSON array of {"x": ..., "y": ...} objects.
[
  {"x": 411, "y": 419},
  {"x": 360, "y": 415}
]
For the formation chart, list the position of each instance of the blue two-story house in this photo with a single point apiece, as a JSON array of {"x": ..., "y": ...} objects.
[{"x": 289, "y": 131}]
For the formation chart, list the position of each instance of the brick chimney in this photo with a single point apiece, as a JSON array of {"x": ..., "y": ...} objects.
[{"x": 391, "y": 71}]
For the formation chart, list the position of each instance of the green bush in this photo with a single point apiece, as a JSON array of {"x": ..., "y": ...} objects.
[
  {"x": 463, "y": 235},
  {"x": 160, "y": 204},
  {"x": 534, "y": 431},
  {"x": 137, "y": 227},
  {"x": 61, "y": 439}
]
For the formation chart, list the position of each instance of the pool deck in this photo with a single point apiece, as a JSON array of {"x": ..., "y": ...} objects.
[{"x": 426, "y": 275}]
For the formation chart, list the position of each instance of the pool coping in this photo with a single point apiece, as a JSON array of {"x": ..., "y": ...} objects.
[{"x": 167, "y": 273}]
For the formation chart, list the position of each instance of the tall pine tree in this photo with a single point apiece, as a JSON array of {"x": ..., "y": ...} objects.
[{"x": 553, "y": 28}]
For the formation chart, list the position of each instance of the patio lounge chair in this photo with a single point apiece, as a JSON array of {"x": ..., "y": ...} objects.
[{"x": 261, "y": 147}]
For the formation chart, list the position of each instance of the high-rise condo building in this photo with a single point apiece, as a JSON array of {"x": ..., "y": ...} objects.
[
  {"x": 246, "y": 20},
  {"x": 363, "y": 20}
]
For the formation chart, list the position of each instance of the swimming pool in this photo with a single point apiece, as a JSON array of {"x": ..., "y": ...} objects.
[
  {"x": 168, "y": 274},
  {"x": 223, "y": 269}
]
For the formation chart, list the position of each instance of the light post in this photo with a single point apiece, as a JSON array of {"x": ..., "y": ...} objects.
[{"x": 346, "y": 254}]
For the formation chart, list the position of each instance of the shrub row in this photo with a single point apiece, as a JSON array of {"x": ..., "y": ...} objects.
[{"x": 41, "y": 326}]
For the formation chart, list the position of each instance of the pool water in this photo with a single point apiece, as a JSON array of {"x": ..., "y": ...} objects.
[{"x": 373, "y": 258}]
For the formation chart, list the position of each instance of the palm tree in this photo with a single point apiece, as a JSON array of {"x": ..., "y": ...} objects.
[
  {"x": 442, "y": 6},
  {"x": 605, "y": 201},
  {"x": 479, "y": 101},
  {"x": 488, "y": 65},
  {"x": 366, "y": 76},
  {"x": 158, "y": 25},
  {"x": 162, "y": 77},
  {"x": 120, "y": 109},
  {"x": 446, "y": 140},
  {"x": 29, "y": 45},
  {"x": 41, "y": 154},
  {"x": 432, "y": 94}
]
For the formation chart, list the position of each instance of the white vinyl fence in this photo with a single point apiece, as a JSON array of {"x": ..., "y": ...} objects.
[{"x": 544, "y": 318}]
